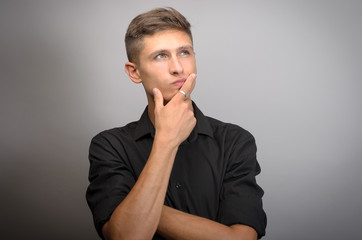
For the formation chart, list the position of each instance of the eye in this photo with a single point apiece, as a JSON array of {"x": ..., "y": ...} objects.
[
  {"x": 160, "y": 56},
  {"x": 184, "y": 53}
]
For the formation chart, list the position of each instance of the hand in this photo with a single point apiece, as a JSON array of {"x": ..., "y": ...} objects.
[{"x": 175, "y": 120}]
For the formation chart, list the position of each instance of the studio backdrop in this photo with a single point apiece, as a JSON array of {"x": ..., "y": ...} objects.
[{"x": 287, "y": 71}]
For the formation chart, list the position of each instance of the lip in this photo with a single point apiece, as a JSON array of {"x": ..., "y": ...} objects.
[{"x": 179, "y": 82}]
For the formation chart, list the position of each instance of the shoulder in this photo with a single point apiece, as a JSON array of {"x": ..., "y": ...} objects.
[
  {"x": 234, "y": 139},
  {"x": 116, "y": 134},
  {"x": 228, "y": 130}
]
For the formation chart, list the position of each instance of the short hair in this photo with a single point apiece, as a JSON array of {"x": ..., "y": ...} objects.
[{"x": 149, "y": 23}]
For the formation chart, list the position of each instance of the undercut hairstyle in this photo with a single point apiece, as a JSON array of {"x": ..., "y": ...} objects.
[{"x": 149, "y": 23}]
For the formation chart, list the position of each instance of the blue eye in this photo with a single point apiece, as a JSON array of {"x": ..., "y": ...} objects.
[
  {"x": 159, "y": 56},
  {"x": 183, "y": 53}
]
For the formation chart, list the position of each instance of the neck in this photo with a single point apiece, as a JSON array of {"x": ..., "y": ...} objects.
[
  {"x": 151, "y": 115},
  {"x": 151, "y": 109}
]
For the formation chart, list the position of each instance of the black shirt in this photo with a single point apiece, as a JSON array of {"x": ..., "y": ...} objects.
[{"x": 213, "y": 174}]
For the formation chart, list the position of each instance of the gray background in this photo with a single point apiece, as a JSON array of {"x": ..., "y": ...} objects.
[{"x": 288, "y": 71}]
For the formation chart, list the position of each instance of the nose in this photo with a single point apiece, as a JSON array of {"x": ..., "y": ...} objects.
[{"x": 175, "y": 66}]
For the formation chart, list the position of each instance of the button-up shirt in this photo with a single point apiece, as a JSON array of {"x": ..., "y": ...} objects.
[{"x": 213, "y": 175}]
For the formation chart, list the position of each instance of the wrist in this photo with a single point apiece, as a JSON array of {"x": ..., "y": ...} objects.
[{"x": 164, "y": 140}]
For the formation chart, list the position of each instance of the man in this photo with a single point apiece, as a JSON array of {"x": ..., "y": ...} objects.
[{"x": 174, "y": 174}]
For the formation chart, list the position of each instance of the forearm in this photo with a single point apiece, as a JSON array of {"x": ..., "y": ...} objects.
[
  {"x": 175, "y": 224},
  {"x": 138, "y": 215}
]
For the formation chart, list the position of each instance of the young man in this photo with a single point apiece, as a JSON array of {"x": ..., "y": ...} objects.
[{"x": 174, "y": 174}]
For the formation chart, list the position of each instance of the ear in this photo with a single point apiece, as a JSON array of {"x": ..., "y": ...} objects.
[{"x": 132, "y": 71}]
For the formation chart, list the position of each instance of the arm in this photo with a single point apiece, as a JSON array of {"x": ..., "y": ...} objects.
[
  {"x": 138, "y": 215},
  {"x": 175, "y": 224}
]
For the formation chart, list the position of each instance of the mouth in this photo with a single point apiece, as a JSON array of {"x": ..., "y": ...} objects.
[{"x": 179, "y": 82}]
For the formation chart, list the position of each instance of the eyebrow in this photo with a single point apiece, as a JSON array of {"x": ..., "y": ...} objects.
[{"x": 186, "y": 47}]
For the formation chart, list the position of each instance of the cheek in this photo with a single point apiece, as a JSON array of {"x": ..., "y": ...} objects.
[
  {"x": 195, "y": 68},
  {"x": 156, "y": 72},
  {"x": 190, "y": 65},
  {"x": 151, "y": 81}
]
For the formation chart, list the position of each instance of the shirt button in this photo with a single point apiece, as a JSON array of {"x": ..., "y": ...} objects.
[{"x": 178, "y": 186}]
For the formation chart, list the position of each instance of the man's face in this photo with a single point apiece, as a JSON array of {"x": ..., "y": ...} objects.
[{"x": 165, "y": 62}]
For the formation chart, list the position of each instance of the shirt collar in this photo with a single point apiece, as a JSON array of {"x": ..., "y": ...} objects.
[{"x": 145, "y": 127}]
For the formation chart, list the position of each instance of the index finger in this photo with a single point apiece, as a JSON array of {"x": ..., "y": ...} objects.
[{"x": 189, "y": 85}]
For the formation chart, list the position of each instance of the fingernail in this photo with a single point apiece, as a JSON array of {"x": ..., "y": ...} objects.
[{"x": 154, "y": 91}]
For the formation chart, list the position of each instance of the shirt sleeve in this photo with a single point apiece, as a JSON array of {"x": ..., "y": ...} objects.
[
  {"x": 241, "y": 197},
  {"x": 110, "y": 178}
]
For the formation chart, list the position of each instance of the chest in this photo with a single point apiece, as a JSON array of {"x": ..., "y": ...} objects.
[{"x": 196, "y": 178}]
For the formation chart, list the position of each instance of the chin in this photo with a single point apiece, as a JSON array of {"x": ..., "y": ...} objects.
[{"x": 166, "y": 99}]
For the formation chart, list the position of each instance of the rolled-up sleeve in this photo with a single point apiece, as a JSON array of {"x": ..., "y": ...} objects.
[
  {"x": 241, "y": 196},
  {"x": 109, "y": 177}
]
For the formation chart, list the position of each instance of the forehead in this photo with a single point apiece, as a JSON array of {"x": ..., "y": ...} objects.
[{"x": 165, "y": 40}]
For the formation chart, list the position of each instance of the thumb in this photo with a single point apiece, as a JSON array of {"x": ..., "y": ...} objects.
[{"x": 157, "y": 97}]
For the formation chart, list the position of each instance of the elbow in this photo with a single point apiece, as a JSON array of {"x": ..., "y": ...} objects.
[
  {"x": 243, "y": 232},
  {"x": 112, "y": 231}
]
